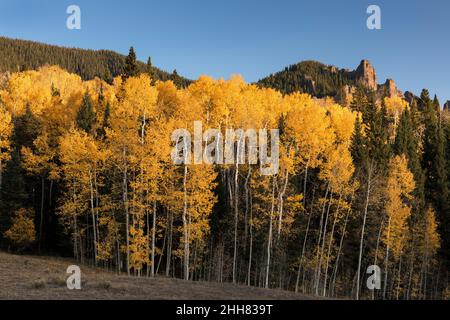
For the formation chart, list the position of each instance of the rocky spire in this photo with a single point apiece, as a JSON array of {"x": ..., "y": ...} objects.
[
  {"x": 447, "y": 106},
  {"x": 367, "y": 75}
]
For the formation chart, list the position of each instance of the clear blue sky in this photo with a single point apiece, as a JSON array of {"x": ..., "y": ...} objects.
[{"x": 252, "y": 37}]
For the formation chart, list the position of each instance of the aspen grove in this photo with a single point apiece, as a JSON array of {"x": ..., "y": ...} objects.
[{"x": 86, "y": 171}]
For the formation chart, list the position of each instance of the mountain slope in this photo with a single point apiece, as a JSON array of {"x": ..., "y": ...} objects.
[
  {"x": 20, "y": 55},
  {"x": 321, "y": 80},
  {"x": 310, "y": 77}
]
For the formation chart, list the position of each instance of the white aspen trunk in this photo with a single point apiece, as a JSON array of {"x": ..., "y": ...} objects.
[
  {"x": 376, "y": 252},
  {"x": 236, "y": 214},
  {"x": 329, "y": 245},
  {"x": 41, "y": 221},
  {"x": 319, "y": 266},
  {"x": 341, "y": 242},
  {"x": 247, "y": 178},
  {"x": 303, "y": 252},
  {"x": 399, "y": 277},
  {"x": 269, "y": 240},
  {"x": 281, "y": 202},
  {"x": 251, "y": 243},
  {"x": 386, "y": 268},
  {"x": 185, "y": 227},
  {"x": 148, "y": 234},
  {"x": 94, "y": 228},
  {"x": 162, "y": 251},
  {"x": 369, "y": 182},
  {"x": 304, "y": 184},
  {"x": 75, "y": 226},
  {"x": 153, "y": 238},
  {"x": 315, "y": 285},
  {"x": 125, "y": 203},
  {"x": 169, "y": 243},
  {"x": 304, "y": 244}
]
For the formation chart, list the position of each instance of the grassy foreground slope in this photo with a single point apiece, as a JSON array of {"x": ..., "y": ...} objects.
[{"x": 31, "y": 277}]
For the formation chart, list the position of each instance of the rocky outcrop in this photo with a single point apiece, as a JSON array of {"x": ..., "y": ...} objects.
[
  {"x": 447, "y": 106},
  {"x": 410, "y": 97},
  {"x": 310, "y": 84},
  {"x": 345, "y": 95},
  {"x": 389, "y": 89},
  {"x": 366, "y": 74}
]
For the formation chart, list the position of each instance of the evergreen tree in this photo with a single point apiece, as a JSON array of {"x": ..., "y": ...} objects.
[
  {"x": 358, "y": 147},
  {"x": 376, "y": 132},
  {"x": 407, "y": 144},
  {"x": 131, "y": 68},
  {"x": 86, "y": 115},
  {"x": 434, "y": 164}
]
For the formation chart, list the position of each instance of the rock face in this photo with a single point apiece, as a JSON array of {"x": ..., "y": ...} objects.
[
  {"x": 389, "y": 89},
  {"x": 447, "y": 106},
  {"x": 366, "y": 74},
  {"x": 345, "y": 95},
  {"x": 310, "y": 83},
  {"x": 410, "y": 97}
]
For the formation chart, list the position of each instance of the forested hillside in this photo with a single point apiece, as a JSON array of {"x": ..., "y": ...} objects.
[
  {"x": 21, "y": 55},
  {"x": 310, "y": 77},
  {"x": 86, "y": 171}
]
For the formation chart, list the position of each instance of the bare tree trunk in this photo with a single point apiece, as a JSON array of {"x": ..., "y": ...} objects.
[
  {"x": 41, "y": 221},
  {"x": 341, "y": 242},
  {"x": 94, "y": 227},
  {"x": 386, "y": 268},
  {"x": 153, "y": 238},
  {"x": 303, "y": 252},
  {"x": 304, "y": 184},
  {"x": 251, "y": 241},
  {"x": 399, "y": 277},
  {"x": 162, "y": 250},
  {"x": 236, "y": 214},
  {"x": 125, "y": 203},
  {"x": 329, "y": 245},
  {"x": 269, "y": 240},
  {"x": 376, "y": 252},
  {"x": 315, "y": 286},
  {"x": 319, "y": 266},
  {"x": 169, "y": 243},
  {"x": 366, "y": 206},
  {"x": 280, "y": 205},
  {"x": 185, "y": 227}
]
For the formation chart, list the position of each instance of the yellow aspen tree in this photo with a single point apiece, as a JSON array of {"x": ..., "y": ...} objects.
[
  {"x": 6, "y": 128},
  {"x": 395, "y": 107},
  {"x": 428, "y": 248},
  {"x": 22, "y": 232},
  {"x": 83, "y": 161},
  {"x": 399, "y": 187},
  {"x": 41, "y": 162}
]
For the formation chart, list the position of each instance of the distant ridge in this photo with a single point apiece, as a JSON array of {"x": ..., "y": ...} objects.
[
  {"x": 20, "y": 55},
  {"x": 321, "y": 80}
]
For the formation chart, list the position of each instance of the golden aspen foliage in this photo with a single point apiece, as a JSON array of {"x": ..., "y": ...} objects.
[
  {"x": 309, "y": 126},
  {"x": 22, "y": 232},
  {"x": 6, "y": 128},
  {"x": 431, "y": 236},
  {"x": 399, "y": 187},
  {"x": 395, "y": 107}
]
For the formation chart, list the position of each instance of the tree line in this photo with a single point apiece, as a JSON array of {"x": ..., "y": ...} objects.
[
  {"x": 86, "y": 171},
  {"x": 21, "y": 55}
]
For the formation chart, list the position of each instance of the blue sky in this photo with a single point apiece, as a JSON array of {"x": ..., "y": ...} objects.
[{"x": 252, "y": 37}]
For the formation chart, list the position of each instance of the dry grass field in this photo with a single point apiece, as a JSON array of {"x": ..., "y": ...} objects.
[{"x": 44, "y": 278}]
